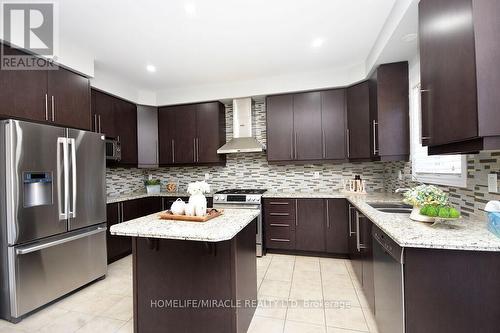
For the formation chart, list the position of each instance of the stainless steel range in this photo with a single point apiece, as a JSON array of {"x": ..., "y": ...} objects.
[{"x": 243, "y": 199}]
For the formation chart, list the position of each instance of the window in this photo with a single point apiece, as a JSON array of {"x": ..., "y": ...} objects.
[{"x": 448, "y": 170}]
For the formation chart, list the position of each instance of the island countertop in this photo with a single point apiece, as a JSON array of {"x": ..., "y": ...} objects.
[{"x": 221, "y": 228}]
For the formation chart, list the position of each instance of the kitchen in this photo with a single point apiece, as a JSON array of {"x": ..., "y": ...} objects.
[{"x": 279, "y": 176}]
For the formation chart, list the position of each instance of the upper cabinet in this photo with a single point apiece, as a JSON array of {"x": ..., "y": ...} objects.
[
  {"x": 306, "y": 126},
  {"x": 191, "y": 134},
  {"x": 59, "y": 97},
  {"x": 378, "y": 115},
  {"x": 117, "y": 119},
  {"x": 460, "y": 76}
]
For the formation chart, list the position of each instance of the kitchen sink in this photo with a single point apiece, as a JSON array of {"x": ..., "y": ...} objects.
[{"x": 398, "y": 208}]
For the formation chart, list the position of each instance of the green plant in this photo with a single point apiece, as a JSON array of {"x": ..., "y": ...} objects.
[
  {"x": 152, "y": 182},
  {"x": 440, "y": 211}
]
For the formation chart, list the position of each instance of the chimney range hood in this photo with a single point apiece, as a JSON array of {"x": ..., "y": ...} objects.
[{"x": 242, "y": 141}]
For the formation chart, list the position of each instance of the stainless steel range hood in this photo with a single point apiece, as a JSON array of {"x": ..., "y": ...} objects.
[{"x": 242, "y": 141}]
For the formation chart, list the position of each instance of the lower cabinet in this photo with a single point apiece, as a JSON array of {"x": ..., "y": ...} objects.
[
  {"x": 309, "y": 225},
  {"x": 121, "y": 246}
]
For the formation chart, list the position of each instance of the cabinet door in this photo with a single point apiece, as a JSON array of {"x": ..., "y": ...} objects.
[
  {"x": 354, "y": 254},
  {"x": 393, "y": 128},
  {"x": 103, "y": 114},
  {"x": 448, "y": 72},
  {"x": 23, "y": 94},
  {"x": 358, "y": 120},
  {"x": 280, "y": 128},
  {"x": 114, "y": 244},
  {"x": 69, "y": 102},
  {"x": 126, "y": 115},
  {"x": 211, "y": 126},
  {"x": 333, "y": 124},
  {"x": 185, "y": 134},
  {"x": 308, "y": 141},
  {"x": 166, "y": 129},
  {"x": 310, "y": 225},
  {"x": 337, "y": 226}
]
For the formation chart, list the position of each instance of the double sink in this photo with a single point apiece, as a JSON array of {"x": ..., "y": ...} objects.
[{"x": 398, "y": 208}]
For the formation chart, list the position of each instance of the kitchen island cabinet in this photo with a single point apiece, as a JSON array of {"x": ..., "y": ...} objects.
[{"x": 193, "y": 277}]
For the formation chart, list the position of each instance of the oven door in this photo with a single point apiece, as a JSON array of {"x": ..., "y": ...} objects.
[{"x": 258, "y": 233}]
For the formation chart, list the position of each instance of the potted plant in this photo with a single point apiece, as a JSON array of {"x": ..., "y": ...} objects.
[
  {"x": 152, "y": 185},
  {"x": 425, "y": 196}
]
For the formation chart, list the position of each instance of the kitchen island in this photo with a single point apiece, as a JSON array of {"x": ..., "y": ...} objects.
[{"x": 191, "y": 276}]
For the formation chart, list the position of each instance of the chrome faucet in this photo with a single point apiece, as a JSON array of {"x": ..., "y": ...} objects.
[{"x": 402, "y": 190}]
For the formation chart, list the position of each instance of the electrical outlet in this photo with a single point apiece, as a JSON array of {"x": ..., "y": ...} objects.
[
  {"x": 150, "y": 177},
  {"x": 400, "y": 175},
  {"x": 316, "y": 175},
  {"x": 493, "y": 183},
  {"x": 207, "y": 176}
]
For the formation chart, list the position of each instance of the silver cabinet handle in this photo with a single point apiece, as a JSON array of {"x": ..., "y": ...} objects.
[
  {"x": 350, "y": 221},
  {"x": 375, "y": 150},
  {"x": 348, "y": 143},
  {"x": 280, "y": 240},
  {"x": 279, "y": 225},
  {"x": 119, "y": 212},
  {"x": 279, "y": 214},
  {"x": 278, "y": 203},
  {"x": 194, "y": 149},
  {"x": 157, "y": 152},
  {"x": 327, "y": 215},
  {"x": 359, "y": 245},
  {"x": 46, "y": 107},
  {"x": 96, "y": 129},
  {"x": 72, "y": 208},
  {"x": 324, "y": 142},
  {"x": 173, "y": 151},
  {"x": 53, "y": 109},
  {"x": 291, "y": 145},
  {"x": 121, "y": 205},
  {"x": 118, "y": 138},
  {"x": 99, "y": 120},
  {"x": 425, "y": 90},
  {"x": 197, "y": 149},
  {"x": 30, "y": 249}
]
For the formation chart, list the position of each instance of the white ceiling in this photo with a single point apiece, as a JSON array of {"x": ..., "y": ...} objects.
[{"x": 222, "y": 41}]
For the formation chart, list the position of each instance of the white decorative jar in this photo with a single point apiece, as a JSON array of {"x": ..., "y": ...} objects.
[
  {"x": 153, "y": 189},
  {"x": 416, "y": 216},
  {"x": 199, "y": 202}
]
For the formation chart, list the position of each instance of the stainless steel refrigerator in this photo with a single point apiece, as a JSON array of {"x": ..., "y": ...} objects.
[{"x": 52, "y": 213}]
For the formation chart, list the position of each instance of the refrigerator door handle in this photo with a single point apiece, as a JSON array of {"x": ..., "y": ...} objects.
[
  {"x": 72, "y": 208},
  {"x": 38, "y": 247},
  {"x": 62, "y": 198}
]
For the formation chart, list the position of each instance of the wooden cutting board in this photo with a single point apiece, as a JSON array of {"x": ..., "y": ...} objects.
[{"x": 211, "y": 213}]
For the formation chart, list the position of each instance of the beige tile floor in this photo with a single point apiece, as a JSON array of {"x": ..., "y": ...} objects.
[{"x": 298, "y": 295}]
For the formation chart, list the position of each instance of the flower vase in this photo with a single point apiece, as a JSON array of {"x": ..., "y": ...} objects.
[{"x": 199, "y": 201}]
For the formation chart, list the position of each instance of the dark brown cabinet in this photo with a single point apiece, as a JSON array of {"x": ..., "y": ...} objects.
[
  {"x": 117, "y": 119},
  {"x": 120, "y": 246},
  {"x": 337, "y": 227},
  {"x": 310, "y": 225},
  {"x": 391, "y": 121},
  {"x": 334, "y": 124},
  {"x": 308, "y": 139},
  {"x": 58, "y": 97},
  {"x": 191, "y": 134},
  {"x": 460, "y": 76},
  {"x": 306, "y": 126},
  {"x": 359, "y": 141}
]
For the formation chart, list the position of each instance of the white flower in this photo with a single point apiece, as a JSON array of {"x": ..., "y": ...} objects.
[{"x": 198, "y": 188}]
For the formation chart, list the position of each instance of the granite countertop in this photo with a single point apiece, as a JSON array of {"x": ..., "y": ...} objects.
[
  {"x": 221, "y": 228},
  {"x": 464, "y": 234},
  {"x": 140, "y": 195}
]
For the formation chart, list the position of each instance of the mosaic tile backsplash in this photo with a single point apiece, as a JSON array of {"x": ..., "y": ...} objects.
[{"x": 252, "y": 170}]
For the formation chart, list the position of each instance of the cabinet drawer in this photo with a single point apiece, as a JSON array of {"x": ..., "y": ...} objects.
[
  {"x": 280, "y": 236},
  {"x": 280, "y": 207}
]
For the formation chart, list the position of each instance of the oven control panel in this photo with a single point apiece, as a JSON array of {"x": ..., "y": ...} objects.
[{"x": 237, "y": 198}]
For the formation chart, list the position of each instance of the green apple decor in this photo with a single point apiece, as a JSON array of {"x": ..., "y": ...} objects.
[{"x": 430, "y": 204}]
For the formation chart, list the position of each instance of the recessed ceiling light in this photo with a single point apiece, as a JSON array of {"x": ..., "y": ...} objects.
[
  {"x": 409, "y": 37},
  {"x": 317, "y": 42},
  {"x": 190, "y": 9},
  {"x": 151, "y": 68}
]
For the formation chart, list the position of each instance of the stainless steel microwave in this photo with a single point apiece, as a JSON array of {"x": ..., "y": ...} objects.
[{"x": 113, "y": 150}]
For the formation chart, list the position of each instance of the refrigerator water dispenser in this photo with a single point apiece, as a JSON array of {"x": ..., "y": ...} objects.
[{"x": 37, "y": 189}]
